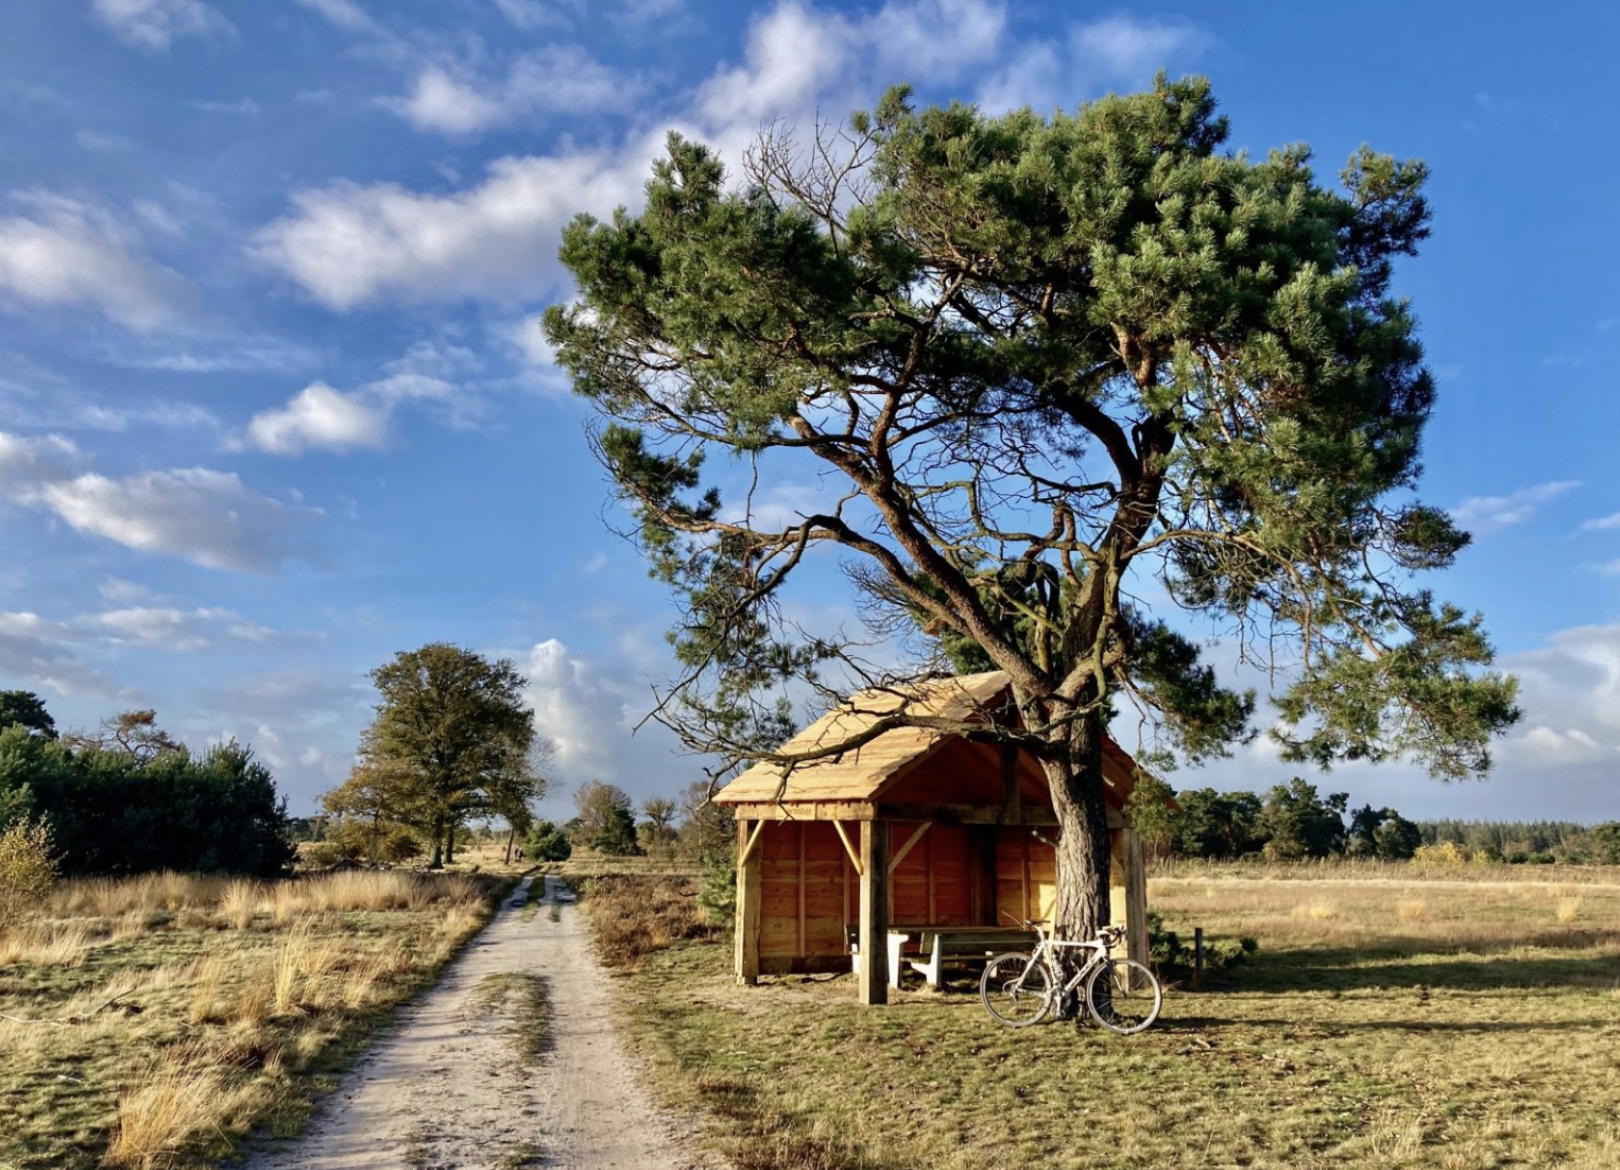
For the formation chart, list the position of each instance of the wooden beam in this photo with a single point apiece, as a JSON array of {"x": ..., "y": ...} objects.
[
  {"x": 801, "y": 888},
  {"x": 874, "y": 927},
  {"x": 1012, "y": 792},
  {"x": 961, "y": 814},
  {"x": 946, "y": 814},
  {"x": 900, "y": 854},
  {"x": 746, "y": 848},
  {"x": 809, "y": 810},
  {"x": 854, "y": 857},
  {"x": 750, "y": 880},
  {"x": 1136, "y": 931}
]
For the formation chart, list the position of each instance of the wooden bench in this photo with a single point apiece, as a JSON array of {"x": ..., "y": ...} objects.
[{"x": 953, "y": 944}]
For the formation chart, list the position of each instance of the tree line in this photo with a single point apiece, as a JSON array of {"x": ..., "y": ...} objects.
[
  {"x": 1293, "y": 821},
  {"x": 128, "y": 798}
]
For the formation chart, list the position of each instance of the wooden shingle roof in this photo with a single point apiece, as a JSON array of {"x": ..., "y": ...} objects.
[{"x": 864, "y": 773}]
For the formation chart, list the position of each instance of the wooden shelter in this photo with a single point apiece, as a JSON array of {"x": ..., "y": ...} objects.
[{"x": 914, "y": 829}]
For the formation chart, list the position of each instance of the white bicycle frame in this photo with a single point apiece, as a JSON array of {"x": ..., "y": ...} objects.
[{"x": 1046, "y": 953}]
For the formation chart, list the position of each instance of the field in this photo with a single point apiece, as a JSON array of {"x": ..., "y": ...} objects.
[
  {"x": 1391, "y": 1018},
  {"x": 155, "y": 1021}
]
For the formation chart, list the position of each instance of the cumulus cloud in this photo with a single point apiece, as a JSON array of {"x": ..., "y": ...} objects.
[
  {"x": 1485, "y": 515},
  {"x": 69, "y": 253},
  {"x": 351, "y": 244},
  {"x": 589, "y": 708},
  {"x": 154, "y": 24},
  {"x": 209, "y": 518},
  {"x": 562, "y": 79},
  {"x": 322, "y": 418}
]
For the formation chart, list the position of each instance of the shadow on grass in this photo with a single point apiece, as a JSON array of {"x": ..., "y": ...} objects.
[
  {"x": 1203, "y": 1024},
  {"x": 1467, "y": 968}
]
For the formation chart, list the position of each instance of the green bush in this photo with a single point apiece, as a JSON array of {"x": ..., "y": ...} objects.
[
  {"x": 547, "y": 842},
  {"x": 28, "y": 867},
  {"x": 1171, "y": 956}
]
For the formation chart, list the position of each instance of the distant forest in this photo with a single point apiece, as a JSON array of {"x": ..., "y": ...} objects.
[{"x": 1294, "y": 821}]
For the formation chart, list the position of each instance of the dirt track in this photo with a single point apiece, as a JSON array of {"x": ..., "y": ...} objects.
[{"x": 443, "y": 1091}]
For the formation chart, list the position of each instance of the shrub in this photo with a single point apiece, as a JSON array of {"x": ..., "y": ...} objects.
[
  {"x": 547, "y": 843},
  {"x": 1169, "y": 955},
  {"x": 27, "y": 867}
]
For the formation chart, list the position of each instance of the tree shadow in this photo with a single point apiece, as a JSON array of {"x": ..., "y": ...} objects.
[{"x": 1465, "y": 966}]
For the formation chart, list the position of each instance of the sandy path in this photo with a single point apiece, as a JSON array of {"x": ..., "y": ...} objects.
[{"x": 444, "y": 1092}]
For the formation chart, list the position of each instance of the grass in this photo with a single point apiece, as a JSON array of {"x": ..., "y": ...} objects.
[
  {"x": 1432, "y": 1020},
  {"x": 173, "y": 1015},
  {"x": 526, "y": 1000}
]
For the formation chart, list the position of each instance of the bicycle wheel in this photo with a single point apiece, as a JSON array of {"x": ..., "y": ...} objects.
[
  {"x": 1123, "y": 996},
  {"x": 1016, "y": 990}
]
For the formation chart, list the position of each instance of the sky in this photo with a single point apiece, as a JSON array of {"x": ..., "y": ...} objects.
[{"x": 274, "y": 404}]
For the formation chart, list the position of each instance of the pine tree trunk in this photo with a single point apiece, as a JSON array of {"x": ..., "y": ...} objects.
[
  {"x": 438, "y": 844},
  {"x": 511, "y": 835},
  {"x": 1075, "y": 777},
  {"x": 450, "y": 843}
]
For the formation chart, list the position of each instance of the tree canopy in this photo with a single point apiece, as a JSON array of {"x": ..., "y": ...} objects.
[
  {"x": 1046, "y": 363},
  {"x": 28, "y": 709},
  {"x": 452, "y": 741}
]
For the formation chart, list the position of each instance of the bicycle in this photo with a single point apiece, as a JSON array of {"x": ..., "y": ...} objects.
[{"x": 1122, "y": 995}]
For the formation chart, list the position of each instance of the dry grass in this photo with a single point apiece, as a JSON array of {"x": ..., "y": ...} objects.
[
  {"x": 633, "y": 916},
  {"x": 1427, "y": 1023},
  {"x": 204, "y": 1007}
]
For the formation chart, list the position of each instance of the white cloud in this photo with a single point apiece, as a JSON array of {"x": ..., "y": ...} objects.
[
  {"x": 1119, "y": 50},
  {"x": 183, "y": 631},
  {"x": 206, "y": 517},
  {"x": 68, "y": 253},
  {"x": 120, "y": 591},
  {"x": 27, "y": 462},
  {"x": 589, "y": 709},
  {"x": 562, "y": 79},
  {"x": 349, "y": 244},
  {"x": 1603, "y": 523},
  {"x": 780, "y": 506},
  {"x": 1127, "y": 48},
  {"x": 1572, "y": 746},
  {"x": 1484, "y": 515},
  {"x": 319, "y": 417},
  {"x": 346, "y": 14},
  {"x": 35, "y": 650},
  {"x": 153, "y": 24}
]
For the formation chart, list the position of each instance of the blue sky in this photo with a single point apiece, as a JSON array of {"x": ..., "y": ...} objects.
[{"x": 273, "y": 404}]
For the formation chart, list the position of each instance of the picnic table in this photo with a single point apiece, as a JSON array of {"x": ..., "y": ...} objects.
[{"x": 937, "y": 946}]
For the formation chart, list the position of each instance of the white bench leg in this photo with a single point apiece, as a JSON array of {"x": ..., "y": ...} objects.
[
  {"x": 935, "y": 964},
  {"x": 897, "y": 943}
]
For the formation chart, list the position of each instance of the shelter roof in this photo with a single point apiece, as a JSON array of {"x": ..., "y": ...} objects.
[{"x": 865, "y": 772}]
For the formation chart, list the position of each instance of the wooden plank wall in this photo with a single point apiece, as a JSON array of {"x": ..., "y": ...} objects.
[
  {"x": 808, "y": 890},
  {"x": 930, "y": 886},
  {"x": 1026, "y": 877}
]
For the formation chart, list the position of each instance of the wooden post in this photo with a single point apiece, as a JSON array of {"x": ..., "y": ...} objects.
[
  {"x": 1198, "y": 956},
  {"x": 750, "y": 874},
  {"x": 1012, "y": 792},
  {"x": 874, "y": 927},
  {"x": 1136, "y": 932}
]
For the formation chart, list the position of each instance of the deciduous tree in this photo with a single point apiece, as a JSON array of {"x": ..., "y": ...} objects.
[
  {"x": 455, "y": 726},
  {"x": 1041, "y": 361}
]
